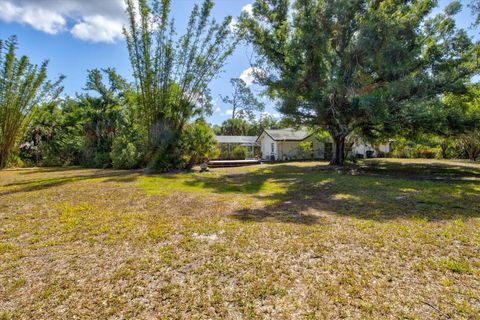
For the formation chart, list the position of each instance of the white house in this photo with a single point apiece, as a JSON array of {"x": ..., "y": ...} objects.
[{"x": 284, "y": 144}]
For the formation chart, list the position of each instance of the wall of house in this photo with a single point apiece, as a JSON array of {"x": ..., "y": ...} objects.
[
  {"x": 266, "y": 147},
  {"x": 362, "y": 148},
  {"x": 384, "y": 147}
]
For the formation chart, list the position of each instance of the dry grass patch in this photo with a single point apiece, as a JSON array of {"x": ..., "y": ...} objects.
[{"x": 387, "y": 239}]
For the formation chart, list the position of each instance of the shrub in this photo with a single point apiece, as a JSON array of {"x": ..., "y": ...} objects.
[
  {"x": 239, "y": 153},
  {"x": 306, "y": 149},
  {"x": 197, "y": 143},
  {"x": 426, "y": 152},
  {"x": 126, "y": 154},
  {"x": 226, "y": 155}
]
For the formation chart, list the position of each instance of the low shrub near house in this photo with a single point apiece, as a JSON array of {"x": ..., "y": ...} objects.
[
  {"x": 239, "y": 153},
  {"x": 306, "y": 149},
  {"x": 426, "y": 152}
]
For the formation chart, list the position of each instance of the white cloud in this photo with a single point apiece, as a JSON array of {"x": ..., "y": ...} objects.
[
  {"x": 218, "y": 109},
  {"x": 229, "y": 112},
  {"x": 247, "y": 75},
  {"x": 98, "y": 29},
  {"x": 39, "y": 18},
  {"x": 91, "y": 20},
  {"x": 248, "y": 8}
]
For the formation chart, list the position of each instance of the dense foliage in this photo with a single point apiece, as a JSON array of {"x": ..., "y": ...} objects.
[
  {"x": 82, "y": 130},
  {"x": 102, "y": 130},
  {"x": 250, "y": 127}
]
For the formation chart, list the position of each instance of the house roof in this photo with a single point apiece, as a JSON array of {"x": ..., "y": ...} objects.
[
  {"x": 288, "y": 134},
  {"x": 237, "y": 139}
]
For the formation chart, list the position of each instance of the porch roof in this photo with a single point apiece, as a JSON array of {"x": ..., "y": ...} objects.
[
  {"x": 248, "y": 140},
  {"x": 288, "y": 134}
]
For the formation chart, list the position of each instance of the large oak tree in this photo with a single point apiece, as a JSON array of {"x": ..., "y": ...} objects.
[{"x": 367, "y": 66}]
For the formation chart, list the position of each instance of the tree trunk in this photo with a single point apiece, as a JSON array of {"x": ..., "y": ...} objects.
[
  {"x": 6, "y": 147},
  {"x": 444, "y": 147},
  {"x": 160, "y": 150},
  {"x": 338, "y": 156},
  {"x": 3, "y": 160}
]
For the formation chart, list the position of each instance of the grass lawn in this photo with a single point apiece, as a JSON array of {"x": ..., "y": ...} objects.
[{"x": 396, "y": 239}]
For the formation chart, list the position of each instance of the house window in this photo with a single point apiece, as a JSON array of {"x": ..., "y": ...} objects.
[{"x": 273, "y": 147}]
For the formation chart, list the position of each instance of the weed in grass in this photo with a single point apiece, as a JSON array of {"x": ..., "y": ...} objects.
[{"x": 456, "y": 266}]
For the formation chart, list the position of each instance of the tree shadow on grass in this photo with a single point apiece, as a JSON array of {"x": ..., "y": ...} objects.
[
  {"x": 36, "y": 170},
  {"x": 423, "y": 170},
  {"x": 304, "y": 195},
  {"x": 41, "y": 184}
]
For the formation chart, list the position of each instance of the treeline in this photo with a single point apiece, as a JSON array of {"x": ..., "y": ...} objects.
[
  {"x": 373, "y": 69},
  {"x": 250, "y": 127},
  {"x": 157, "y": 122}
]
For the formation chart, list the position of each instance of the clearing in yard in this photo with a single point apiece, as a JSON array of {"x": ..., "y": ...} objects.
[{"x": 384, "y": 239}]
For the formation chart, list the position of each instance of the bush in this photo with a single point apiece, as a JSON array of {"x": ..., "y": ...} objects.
[
  {"x": 426, "y": 152},
  {"x": 306, "y": 149},
  {"x": 126, "y": 154},
  {"x": 102, "y": 160},
  {"x": 226, "y": 155},
  {"x": 197, "y": 143},
  {"x": 239, "y": 153}
]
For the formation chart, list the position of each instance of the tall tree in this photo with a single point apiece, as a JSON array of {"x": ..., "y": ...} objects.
[
  {"x": 362, "y": 65},
  {"x": 102, "y": 115},
  {"x": 173, "y": 73},
  {"x": 243, "y": 101},
  {"x": 23, "y": 85}
]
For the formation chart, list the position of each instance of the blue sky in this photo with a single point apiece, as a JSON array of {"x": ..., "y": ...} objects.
[{"x": 77, "y": 35}]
